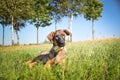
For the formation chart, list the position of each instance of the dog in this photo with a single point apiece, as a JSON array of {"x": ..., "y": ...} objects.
[{"x": 57, "y": 53}]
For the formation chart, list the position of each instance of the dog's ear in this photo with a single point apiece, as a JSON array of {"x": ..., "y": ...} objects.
[
  {"x": 67, "y": 32},
  {"x": 50, "y": 36}
]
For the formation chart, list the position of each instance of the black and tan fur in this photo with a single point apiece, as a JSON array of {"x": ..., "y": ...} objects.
[{"x": 56, "y": 54}]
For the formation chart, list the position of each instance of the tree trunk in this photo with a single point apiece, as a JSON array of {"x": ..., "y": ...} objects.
[
  {"x": 70, "y": 25},
  {"x": 12, "y": 30},
  {"x": 37, "y": 35},
  {"x": 3, "y": 35},
  {"x": 17, "y": 37},
  {"x": 92, "y": 29}
]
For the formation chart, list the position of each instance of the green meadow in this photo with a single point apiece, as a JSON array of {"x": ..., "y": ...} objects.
[{"x": 85, "y": 60}]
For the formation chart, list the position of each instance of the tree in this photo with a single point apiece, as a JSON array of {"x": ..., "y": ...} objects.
[
  {"x": 41, "y": 23},
  {"x": 92, "y": 11},
  {"x": 41, "y": 16},
  {"x": 17, "y": 9},
  {"x": 4, "y": 19},
  {"x": 17, "y": 26},
  {"x": 3, "y": 23}
]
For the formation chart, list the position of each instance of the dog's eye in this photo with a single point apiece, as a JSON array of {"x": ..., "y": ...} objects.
[
  {"x": 63, "y": 36},
  {"x": 56, "y": 37}
]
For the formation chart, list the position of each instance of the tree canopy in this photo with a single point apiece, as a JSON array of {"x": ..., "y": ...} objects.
[{"x": 92, "y": 9}]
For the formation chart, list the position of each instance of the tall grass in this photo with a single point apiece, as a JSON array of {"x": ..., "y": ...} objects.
[{"x": 87, "y": 60}]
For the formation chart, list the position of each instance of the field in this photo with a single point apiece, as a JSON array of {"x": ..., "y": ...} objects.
[{"x": 86, "y": 60}]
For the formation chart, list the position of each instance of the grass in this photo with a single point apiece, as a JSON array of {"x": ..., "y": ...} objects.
[{"x": 86, "y": 60}]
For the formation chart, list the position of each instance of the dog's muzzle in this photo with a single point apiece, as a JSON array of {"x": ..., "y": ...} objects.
[{"x": 61, "y": 42}]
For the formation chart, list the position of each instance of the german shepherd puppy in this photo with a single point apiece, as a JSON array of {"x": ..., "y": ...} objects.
[{"x": 56, "y": 54}]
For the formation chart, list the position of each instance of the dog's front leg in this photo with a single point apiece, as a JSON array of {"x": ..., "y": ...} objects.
[
  {"x": 30, "y": 63},
  {"x": 49, "y": 63}
]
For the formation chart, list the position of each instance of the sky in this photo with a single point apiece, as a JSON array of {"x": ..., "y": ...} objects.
[{"x": 105, "y": 27}]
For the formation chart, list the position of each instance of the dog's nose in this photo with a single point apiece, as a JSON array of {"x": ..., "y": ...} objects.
[{"x": 61, "y": 41}]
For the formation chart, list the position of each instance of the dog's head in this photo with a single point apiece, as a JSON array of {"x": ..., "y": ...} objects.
[{"x": 58, "y": 37}]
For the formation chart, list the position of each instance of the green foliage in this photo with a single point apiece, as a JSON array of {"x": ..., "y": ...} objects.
[
  {"x": 18, "y": 9},
  {"x": 68, "y": 7},
  {"x": 92, "y": 9},
  {"x": 89, "y": 60},
  {"x": 41, "y": 16}
]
